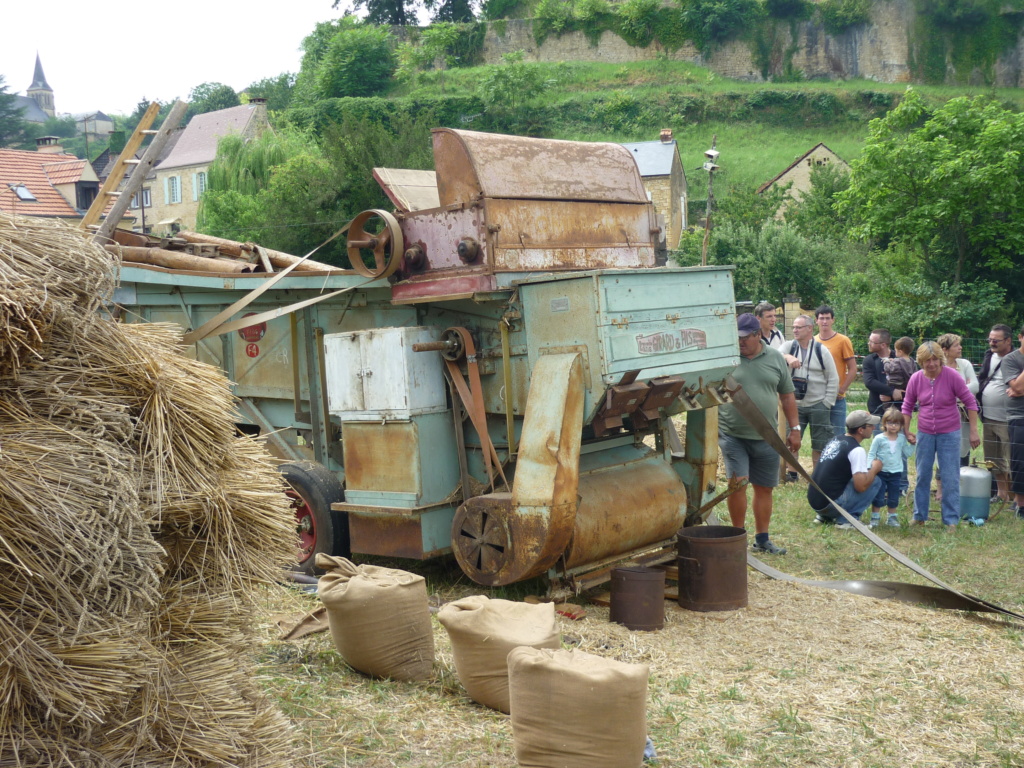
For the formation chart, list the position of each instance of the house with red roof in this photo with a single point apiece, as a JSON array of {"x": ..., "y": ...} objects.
[
  {"x": 180, "y": 178},
  {"x": 46, "y": 182}
]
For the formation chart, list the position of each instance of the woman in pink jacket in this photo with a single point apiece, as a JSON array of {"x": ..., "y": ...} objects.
[{"x": 935, "y": 390}]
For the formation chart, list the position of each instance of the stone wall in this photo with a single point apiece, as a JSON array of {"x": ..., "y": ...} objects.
[{"x": 880, "y": 50}]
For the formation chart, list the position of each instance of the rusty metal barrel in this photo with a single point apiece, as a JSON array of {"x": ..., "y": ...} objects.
[
  {"x": 712, "y": 568},
  {"x": 638, "y": 598}
]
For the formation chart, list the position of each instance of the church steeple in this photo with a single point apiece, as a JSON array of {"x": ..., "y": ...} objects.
[{"x": 40, "y": 91}]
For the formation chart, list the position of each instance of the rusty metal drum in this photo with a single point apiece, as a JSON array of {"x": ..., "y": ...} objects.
[
  {"x": 712, "y": 568},
  {"x": 638, "y": 598}
]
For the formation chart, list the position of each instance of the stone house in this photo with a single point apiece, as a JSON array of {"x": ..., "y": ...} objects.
[
  {"x": 663, "y": 178},
  {"x": 798, "y": 174},
  {"x": 178, "y": 181}
]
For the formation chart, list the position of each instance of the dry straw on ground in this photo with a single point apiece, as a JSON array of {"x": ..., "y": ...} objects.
[
  {"x": 135, "y": 526},
  {"x": 802, "y": 676}
]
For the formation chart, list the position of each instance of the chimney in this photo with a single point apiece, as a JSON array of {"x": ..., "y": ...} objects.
[
  {"x": 49, "y": 145},
  {"x": 666, "y": 135}
]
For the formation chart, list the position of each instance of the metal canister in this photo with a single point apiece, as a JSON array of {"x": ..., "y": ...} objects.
[
  {"x": 712, "y": 568},
  {"x": 975, "y": 492},
  {"x": 638, "y": 598}
]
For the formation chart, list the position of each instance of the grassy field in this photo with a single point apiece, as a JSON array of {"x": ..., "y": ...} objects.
[
  {"x": 631, "y": 102},
  {"x": 802, "y": 676}
]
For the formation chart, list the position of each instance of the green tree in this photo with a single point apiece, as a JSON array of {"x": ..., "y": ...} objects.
[
  {"x": 946, "y": 185},
  {"x": 815, "y": 214},
  {"x": 12, "y": 121},
  {"x": 492, "y": 10},
  {"x": 436, "y": 44},
  {"x": 358, "y": 61},
  {"x": 397, "y": 12},
  {"x": 276, "y": 90},
  {"x": 457, "y": 11},
  {"x": 209, "y": 97},
  {"x": 290, "y": 191},
  {"x": 772, "y": 259}
]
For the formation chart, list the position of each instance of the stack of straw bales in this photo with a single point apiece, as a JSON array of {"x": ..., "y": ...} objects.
[{"x": 136, "y": 531}]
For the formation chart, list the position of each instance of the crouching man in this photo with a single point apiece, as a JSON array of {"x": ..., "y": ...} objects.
[{"x": 843, "y": 473}]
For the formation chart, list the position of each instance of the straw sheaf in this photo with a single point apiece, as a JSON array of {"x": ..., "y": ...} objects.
[
  {"x": 33, "y": 282},
  {"x": 134, "y": 526},
  {"x": 203, "y": 710}
]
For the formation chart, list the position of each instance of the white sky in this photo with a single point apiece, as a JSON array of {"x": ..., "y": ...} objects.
[{"x": 107, "y": 57}]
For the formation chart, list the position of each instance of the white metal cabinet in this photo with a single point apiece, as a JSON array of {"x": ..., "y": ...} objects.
[{"x": 375, "y": 375}]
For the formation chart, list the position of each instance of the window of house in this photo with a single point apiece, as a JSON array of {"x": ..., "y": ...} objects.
[
  {"x": 199, "y": 186},
  {"x": 146, "y": 200},
  {"x": 23, "y": 193},
  {"x": 172, "y": 189}
]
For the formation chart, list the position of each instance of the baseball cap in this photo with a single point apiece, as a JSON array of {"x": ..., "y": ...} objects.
[
  {"x": 858, "y": 419},
  {"x": 747, "y": 324}
]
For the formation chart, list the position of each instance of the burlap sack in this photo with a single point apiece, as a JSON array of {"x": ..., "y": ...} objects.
[
  {"x": 483, "y": 631},
  {"x": 379, "y": 618},
  {"x": 574, "y": 710}
]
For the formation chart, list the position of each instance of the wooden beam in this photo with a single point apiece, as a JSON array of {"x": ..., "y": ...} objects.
[{"x": 159, "y": 257}]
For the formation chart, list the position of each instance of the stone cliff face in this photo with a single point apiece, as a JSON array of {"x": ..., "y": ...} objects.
[{"x": 881, "y": 50}]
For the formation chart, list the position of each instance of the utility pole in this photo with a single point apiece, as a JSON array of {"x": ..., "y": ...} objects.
[{"x": 711, "y": 156}]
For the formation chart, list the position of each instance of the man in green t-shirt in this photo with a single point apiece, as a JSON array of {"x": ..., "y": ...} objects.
[{"x": 765, "y": 377}]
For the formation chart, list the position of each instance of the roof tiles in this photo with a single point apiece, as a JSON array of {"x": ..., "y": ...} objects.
[
  {"x": 197, "y": 144},
  {"x": 30, "y": 168}
]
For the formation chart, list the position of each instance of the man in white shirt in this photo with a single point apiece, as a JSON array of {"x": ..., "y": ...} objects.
[
  {"x": 772, "y": 336},
  {"x": 993, "y": 397},
  {"x": 844, "y": 474}
]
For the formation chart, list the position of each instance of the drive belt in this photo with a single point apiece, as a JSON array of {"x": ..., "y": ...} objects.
[
  {"x": 941, "y": 596},
  {"x": 473, "y": 401}
]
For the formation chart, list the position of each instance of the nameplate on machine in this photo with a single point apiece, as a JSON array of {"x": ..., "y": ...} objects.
[{"x": 671, "y": 341}]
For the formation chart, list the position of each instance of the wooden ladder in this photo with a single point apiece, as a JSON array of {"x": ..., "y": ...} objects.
[{"x": 140, "y": 169}]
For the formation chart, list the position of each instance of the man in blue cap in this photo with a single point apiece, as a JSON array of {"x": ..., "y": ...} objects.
[{"x": 765, "y": 377}]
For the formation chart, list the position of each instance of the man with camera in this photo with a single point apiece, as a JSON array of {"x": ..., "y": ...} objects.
[{"x": 815, "y": 383}]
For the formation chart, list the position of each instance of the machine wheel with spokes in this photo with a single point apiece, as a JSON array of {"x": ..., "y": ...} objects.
[
  {"x": 482, "y": 544},
  {"x": 375, "y": 244}
]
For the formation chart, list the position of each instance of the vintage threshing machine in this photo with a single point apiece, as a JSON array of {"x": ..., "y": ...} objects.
[{"x": 499, "y": 379}]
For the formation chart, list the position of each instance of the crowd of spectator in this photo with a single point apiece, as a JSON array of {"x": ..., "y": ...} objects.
[{"x": 803, "y": 382}]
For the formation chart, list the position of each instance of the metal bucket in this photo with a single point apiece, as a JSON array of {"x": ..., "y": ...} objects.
[
  {"x": 975, "y": 492},
  {"x": 638, "y": 598},
  {"x": 712, "y": 568}
]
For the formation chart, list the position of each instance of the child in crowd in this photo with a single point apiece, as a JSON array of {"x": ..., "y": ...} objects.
[
  {"x": 899, "y": 369},
  {"x": 891, "y": 448}
]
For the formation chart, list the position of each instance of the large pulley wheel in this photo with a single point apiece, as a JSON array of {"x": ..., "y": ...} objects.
[
  {"x": 375, "y": 243},
  {"x": 312, "y": 488},
  {"x": 482, "y": 544}
]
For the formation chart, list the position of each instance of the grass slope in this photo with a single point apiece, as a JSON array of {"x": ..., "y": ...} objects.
[{"x": 761, "y": 127}]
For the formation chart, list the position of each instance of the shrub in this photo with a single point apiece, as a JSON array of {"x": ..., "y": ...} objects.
[
  {"x": 789, "y": 9},
  {"x": 839, "y": 15},
  {"x": 637, "y": 19},
  {"x": 712, "y": 22},
  {"x": 552, "y": 17}
]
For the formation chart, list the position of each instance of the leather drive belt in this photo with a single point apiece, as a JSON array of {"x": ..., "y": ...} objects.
[{"x": 940, "y": 596}]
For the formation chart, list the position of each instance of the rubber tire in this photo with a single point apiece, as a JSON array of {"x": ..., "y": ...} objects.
[{"x": 319, "y": 488}]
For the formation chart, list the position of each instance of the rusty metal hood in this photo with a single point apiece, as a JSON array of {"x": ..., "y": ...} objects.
[{"x": 471, "y": 165}]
